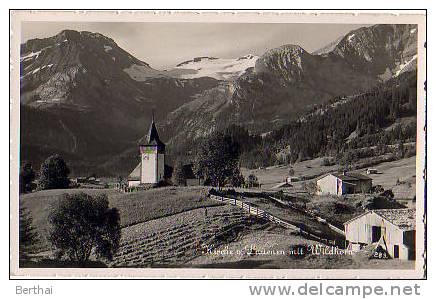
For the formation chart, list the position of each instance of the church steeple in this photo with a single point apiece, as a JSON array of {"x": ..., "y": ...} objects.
[
  {"x": 152, "y": 137},
  {"x": 151, "y": 169}
]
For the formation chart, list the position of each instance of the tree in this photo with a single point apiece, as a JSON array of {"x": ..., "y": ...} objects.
[
  {"x": 82, "y": 225},
  {"x": 238, "y": 180},
  {"x": 27, "y": 234},
  {"x": 252, "y": 181},
  {"x": 27, "y": 175},
  {"x": 54, "y": 173},
  {"x": 179, "y": 176},
  {"x": 217, "y": 159}
]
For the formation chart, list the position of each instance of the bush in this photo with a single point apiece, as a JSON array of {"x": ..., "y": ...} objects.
[
  {"x": 54, "y": 173},
  {"x": 388, "y": 193},
  {"x": 377, "y": 189},
  {"x": 327, "y": 162},
  {"x": 163, "y": 183},
  {"x": 252, "y": 181},
  {"x": 82, "y": 225},
  {"x": 238, "y": 180}
]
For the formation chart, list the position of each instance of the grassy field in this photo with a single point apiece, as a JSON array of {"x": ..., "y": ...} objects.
[
  {"x": 133, "y": 207},
  {"x": 174, "y": 239},
  {"x": 404, "y": 170}
]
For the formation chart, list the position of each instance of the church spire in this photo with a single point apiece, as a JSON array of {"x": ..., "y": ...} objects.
[{"x": 152, "y": 138}]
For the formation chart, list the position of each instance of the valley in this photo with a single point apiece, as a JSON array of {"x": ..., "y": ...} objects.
[{"x": 313, "y": 140}]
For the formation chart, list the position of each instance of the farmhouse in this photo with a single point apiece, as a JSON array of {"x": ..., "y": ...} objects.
[
  {"x": 344, "y": 183},
  {"x": 151, "y": 168},
  {"x": 392, "y": 229}
]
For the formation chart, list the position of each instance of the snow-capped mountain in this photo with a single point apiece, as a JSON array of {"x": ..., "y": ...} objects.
[
  {"x": 88, "y": 99},
  {"x": 217, "y": 68},
  {"x": 286, "y": 81}
]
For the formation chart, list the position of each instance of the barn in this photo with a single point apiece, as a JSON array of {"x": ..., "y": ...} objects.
[
  {"x": 392, "y": 229},
  {"x": 343, "y": 183}
]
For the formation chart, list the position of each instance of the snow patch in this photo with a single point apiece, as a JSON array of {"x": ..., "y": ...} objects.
[
  {"x": 41, "y": 68},
  {"x": 107, "y": 48},
  {"x": 37, "y": 70},
  {"x": 349, "y": 38},
  {"x": 403, "y": 67},
  {"x": 30, "y": 56},
  {"x": 218, "y": 68},
  {"x": 413, "y": 31}
]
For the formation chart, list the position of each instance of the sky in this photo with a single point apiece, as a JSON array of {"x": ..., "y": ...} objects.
[{"x": 164, "y": 45}]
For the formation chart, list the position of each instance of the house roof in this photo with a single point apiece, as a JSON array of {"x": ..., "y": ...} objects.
[
  {"x": 352, "y": 176},
  {"x": 404, "y": 219},
  {"x": 135, "y": 174}
]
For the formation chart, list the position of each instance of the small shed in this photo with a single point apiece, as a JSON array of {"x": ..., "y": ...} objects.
[
  {"x": 343, "y": 183},
  {"x": 392, "y": 229}
]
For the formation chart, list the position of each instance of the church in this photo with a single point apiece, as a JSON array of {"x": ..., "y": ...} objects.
[{"x": 151, "y": 168}]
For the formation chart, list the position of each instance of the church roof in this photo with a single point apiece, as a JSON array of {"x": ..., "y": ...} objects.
[
  {"x": 135, "y": 174},
  {"x": 152, "y": 138}
]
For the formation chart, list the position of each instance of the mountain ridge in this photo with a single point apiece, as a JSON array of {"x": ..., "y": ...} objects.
[{"x": 89, "y": 79}]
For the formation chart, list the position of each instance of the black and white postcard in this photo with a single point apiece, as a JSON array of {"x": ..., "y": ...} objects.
[{"x": 221, "y": 144}]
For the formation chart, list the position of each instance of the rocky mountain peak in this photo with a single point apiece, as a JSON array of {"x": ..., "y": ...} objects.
[
  {"x": 381, "y": 50},
  {"x": 286, "y": 62}
]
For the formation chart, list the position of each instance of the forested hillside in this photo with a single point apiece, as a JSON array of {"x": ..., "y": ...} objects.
[{"x": 374, "y": 118}]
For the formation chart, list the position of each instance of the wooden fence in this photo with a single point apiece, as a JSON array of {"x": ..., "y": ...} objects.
[
  {"x": 313, "y": 216},
  {"x": 252, "y": 210}
]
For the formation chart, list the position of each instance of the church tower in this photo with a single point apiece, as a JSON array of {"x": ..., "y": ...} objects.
[{"x": 152, "y": 152}]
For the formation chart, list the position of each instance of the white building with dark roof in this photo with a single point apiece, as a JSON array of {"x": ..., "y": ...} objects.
[
  {"x": 151, "y": 168},
  {"x": 343, "y": 183},
  {"x": 392, "y": 229}
]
